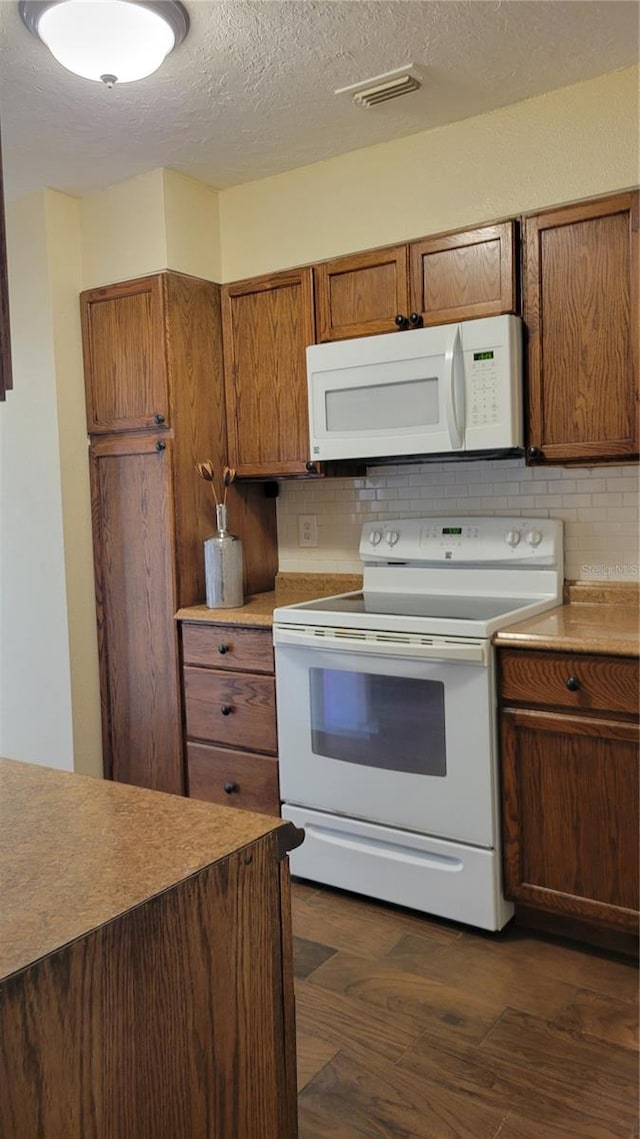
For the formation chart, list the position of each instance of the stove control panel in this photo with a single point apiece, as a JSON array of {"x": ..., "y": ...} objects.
[{"x": 462, "y": 541}]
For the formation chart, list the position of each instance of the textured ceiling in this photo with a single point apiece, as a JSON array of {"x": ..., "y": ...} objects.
[{"x": 250, "y": 92}]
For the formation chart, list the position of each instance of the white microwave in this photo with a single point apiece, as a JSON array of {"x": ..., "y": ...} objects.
[{"x": 451, "y": 389}]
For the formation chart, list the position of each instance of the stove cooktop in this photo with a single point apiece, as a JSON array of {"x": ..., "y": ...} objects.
[
  {"x": 417, "y": 605},
  {"x": 454, "y": 576}
]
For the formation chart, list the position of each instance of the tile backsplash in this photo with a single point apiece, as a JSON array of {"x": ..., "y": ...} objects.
[{"x": 599, "y": 507}]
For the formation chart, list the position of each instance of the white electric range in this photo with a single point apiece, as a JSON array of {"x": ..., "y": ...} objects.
[{"x": 387, "y": 711}]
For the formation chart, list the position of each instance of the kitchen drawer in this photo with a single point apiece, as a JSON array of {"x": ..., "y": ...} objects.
[
  {"x": 237, "y": 710},
  {"x": 223, "y": 646},
  {"x": 563, "y": 680},
  {"x": 233, "y": 778}
]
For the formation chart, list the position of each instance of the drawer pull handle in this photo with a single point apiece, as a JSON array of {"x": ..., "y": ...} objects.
[
  {"x": 222, "y": 649},
  {"x": 229, "y": 788},
  {"x": 573, "y": 683},
  {"x": 226, "y": 709}
]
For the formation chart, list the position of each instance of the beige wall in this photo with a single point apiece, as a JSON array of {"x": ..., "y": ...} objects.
[
  {"x": 35, "y": 677},
  {"x": 192, "y": 226},
  {"x": 65, "y": 277},
  {"x": 122, "y": 231},
  {"x": 573, "y": 143},
  {"x": 160, "y": 220}
]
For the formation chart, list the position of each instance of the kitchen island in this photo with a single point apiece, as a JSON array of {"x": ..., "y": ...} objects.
[{"x": 145, "y": 964}]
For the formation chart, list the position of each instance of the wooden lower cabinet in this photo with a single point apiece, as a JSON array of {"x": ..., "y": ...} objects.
[
  {"x": 230, "y": 715},
  {"x": 570, "y": 786}
]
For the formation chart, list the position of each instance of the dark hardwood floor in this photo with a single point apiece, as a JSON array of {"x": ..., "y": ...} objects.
[{"x": 410, "y": 1027}]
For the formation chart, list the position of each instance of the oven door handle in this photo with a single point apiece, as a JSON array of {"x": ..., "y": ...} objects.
[{"x": 473, "y": 652}]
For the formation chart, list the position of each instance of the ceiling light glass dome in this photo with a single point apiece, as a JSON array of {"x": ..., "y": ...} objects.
[{"x": 108, "y": 41}]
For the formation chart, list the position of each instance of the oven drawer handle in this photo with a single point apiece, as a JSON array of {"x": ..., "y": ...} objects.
[
  {"x": 386, "y": 850},
  {"x": 475, "y": 653}
]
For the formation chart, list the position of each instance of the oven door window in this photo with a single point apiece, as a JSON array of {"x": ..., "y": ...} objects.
[{"x": 390, "y": 722}]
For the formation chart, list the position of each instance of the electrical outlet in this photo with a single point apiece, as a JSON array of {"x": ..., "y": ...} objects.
[{"x": 307, "y": 530}]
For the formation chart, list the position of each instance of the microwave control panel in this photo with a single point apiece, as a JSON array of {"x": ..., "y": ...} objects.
[{"x": 482, "y": 369}]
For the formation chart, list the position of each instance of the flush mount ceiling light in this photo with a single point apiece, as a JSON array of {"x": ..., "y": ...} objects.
[{"x": 109, "y": 41}]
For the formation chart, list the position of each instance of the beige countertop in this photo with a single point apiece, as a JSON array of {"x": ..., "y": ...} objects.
[
  {"x": 76, "y": 852},
  {"x": 595, "y": 619},
  {"x": 598, "y": 618},
  {"x": 290, "y": 589}
]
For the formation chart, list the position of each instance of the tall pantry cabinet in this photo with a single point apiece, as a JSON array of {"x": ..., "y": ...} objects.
[{"x": 155, "y": 407}]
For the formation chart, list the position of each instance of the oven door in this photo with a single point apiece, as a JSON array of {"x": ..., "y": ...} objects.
[{"x": 398, "y": 731}]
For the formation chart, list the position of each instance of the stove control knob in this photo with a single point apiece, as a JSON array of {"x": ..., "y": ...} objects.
[
  {"x": 392, "y": 537},
  {"x": 534, "y": 537},
  {"x": 375, "y": 537},
  {"x": 512, "y": 537}
]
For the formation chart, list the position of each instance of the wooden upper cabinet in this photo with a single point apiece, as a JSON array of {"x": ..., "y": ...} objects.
[
  {"x": 581, "y": 307},
  {"x": 267, "y": 325},
  {"x": 441, "y": 279},
  {"x": 461, "y": 276},
  {"x": 5, "y": 339},
  {"x": 123, "y": 339},
  {"x": 362, "y": 294}
]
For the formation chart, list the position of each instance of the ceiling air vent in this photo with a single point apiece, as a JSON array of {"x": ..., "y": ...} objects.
[{"x": 381, "y": 88}]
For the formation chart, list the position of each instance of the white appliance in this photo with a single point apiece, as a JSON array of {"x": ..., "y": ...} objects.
[
  {"x": 387, "y": 711},
  {"x": 455, "y": 388}
]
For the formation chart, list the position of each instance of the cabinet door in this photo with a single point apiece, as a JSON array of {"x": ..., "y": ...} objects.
[
  {"x": 581, "y": 309},
  {"x": 123, "y": 342},
  {"x": 131, "y": 482},
  {"x": 460, "y": 276},
  {"x": 5, "y": 342},
  {"x": 267, "y": 325},
  {"x": 570, "y": 815},
  {"x": 361, "y": 294}
]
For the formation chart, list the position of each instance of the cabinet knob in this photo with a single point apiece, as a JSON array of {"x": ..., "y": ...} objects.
[
  {"x": 230, "y": 788},
  {"x": 573, "y": 683},
  {"x": 402, "y": 321},
  {"x": 158, "y": 417},
  {"x": 160, "y": 445},
  {"x": 534, "y": 453},
  {"x": 310, "y": 467},
  {"x": 415, "y": 320},
  {"x": 226, "y": 709},
  {"x": 222, "y": 649}
]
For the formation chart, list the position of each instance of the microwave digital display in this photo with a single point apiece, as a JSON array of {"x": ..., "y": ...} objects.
[
  {"x": 452, "y": 529},
  {"x": 483, "y": 355}
]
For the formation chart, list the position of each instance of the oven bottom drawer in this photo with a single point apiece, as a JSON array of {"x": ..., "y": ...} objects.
[{"x": 447, "y": 879}]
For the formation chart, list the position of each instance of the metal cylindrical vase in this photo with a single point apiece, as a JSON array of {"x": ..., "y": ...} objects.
[{"x": 223, "y": 566}]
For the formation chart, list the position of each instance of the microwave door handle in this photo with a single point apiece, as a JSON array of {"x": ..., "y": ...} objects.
[{"x": 454, "y": 368}]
